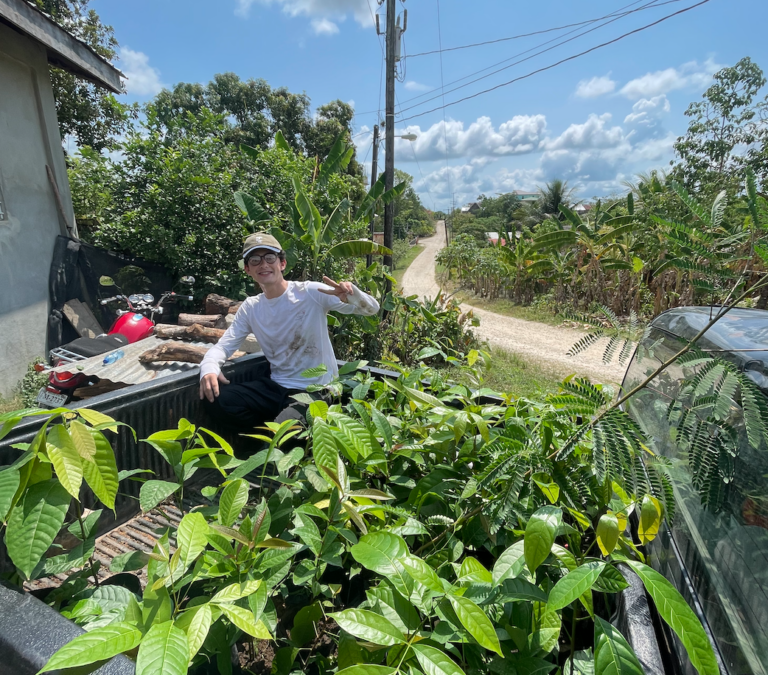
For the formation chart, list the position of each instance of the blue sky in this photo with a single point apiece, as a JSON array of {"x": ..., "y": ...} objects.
[{"x": 595, "y": 121}]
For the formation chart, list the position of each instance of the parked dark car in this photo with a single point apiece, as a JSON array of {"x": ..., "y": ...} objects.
[{"x": 717, "y": 559}]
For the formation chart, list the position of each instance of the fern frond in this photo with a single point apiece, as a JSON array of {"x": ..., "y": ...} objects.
[
  {"x": 584, "y": 389},
  {"x": 718, "y": 209},
  {"x": 570, "y": 444},
  {"x": 507, "y": 450},
  {"x": 691, "y": 203},
  {"x": 610, "y": 348},
  {"x": 584, "y": 343},
  {"x": 504, "y": 505},
  {"x": 755, "y": 408}
]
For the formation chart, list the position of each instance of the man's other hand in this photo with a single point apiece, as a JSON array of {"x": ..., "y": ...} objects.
[
  {"x": 342, "y": 291},
  {"x": 209, "y": 385}
]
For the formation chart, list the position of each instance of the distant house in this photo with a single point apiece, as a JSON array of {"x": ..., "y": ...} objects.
[
  {"x": 522, "y": 196},
  {"x": 493, "y": 237},
  {"x": 581, "y": 209},
  {"x": 472, "y": 207},
  {"x": 35, "y": 202}
]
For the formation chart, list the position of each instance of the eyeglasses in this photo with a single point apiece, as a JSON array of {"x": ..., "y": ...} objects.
[{"x": 255, "y": 260}]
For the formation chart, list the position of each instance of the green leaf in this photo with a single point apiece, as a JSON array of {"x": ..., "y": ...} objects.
[
  {"x": 357, "y": 247},
  {"x": 34, "y": 524},
  {"x": 317, "y": 371},
  {"x": 96, "y": 418},
  {"x": 520, "y": 589},
  {"x": 574, "y": 584},
  {"x": 155, "y": 491},
  {"x": 435, "y": 662},
  {"x": 476, "y": 622},
  {"x": 540, "y": 534},
  {"x": 546, "y": 628},
  {"x": 191, "y": 538},
  {"x": 99, "y": 644},
  {"x": 650, "y": 519},
  {"x": 127, "y": 562},
  {"x": 163, "y": 651},
  {"x": 608, "y": 533},
  {"x": 65, "y": 459},
  {"x": 250, "y": 207},
  {"x": 509, "y": 564},
  {"x": 82, "y": 440},
  {"x": 101, "y": 472},
  {"x": 610, "y": 580},
  {"x": 369, "y": 626},
  {"x": 244, "y": 620},
  {"x": 236, "y": 591},
  {"x": 613, "y": 655},
  {"x": 281, "y": 143},
  {"x": 196, "y": 623},
  {"x": 232, "y": 500},
  {"x": 379, "y": 552},
  {"x": 550, "y": 489},
  {"x": 422, "y": 573},
  {"x": 367, "y": 669},
  {"x": 9, "y": 483},
  {"x": 679, "y": 616}
]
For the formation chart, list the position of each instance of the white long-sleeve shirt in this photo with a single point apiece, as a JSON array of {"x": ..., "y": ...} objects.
[{"x": 291, "y": 329}]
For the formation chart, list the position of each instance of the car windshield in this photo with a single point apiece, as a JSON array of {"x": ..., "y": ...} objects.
[{"x": 721, "y": 552}]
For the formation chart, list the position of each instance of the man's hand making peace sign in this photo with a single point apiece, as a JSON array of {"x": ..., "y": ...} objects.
[{"x": 342, "y": 291}]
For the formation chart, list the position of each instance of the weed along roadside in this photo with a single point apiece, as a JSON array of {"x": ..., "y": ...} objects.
[{"x": 412, "y": 524}]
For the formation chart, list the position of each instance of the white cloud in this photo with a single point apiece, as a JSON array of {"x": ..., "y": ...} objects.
[
  {"x": 410, "y": 85},
  {"x": 692, "y": 75},
  {"x": 520, "y": 135},
  {"x": 594, "y": 133},
  {"x": 597, "y": 86},
  {"x": 143, "y": 79},
  {"x": 645, "y": 119},
  {"x": 324, "y": 27},
  {"x": 361, "y": 10}
]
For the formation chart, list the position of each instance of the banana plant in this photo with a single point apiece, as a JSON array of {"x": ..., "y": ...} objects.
[{"x": 316, "y": 234}]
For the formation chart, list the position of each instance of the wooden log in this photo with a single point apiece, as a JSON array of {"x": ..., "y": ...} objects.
[
  {"x": 207, "y": 320},
  {"x": 193, "y": 332},
  {"x": 217, "y": 304},
  {"x": 174, "y": 351},
  {"x": 233, "y": 308}
]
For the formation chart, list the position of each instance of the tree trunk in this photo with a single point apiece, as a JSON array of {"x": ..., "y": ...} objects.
[
  {"x": 193, "y": 332},
  {"x": 207, "y": 320},
  {"x": 217, "y": 304},
  {"x": 174, "y": 351}
]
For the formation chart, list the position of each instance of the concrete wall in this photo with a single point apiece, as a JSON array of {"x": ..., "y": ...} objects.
[{"x": 29, "y": 141}]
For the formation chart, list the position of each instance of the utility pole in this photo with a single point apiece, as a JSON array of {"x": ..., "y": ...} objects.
[
  {"x": 389, "y": 125},
  {"x": 374, "y": 171}
]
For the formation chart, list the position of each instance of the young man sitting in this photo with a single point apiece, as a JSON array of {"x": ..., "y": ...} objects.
[{"x": 289, "y": 321}]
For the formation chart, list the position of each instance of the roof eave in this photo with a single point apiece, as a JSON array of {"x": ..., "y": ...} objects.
[{"x": 64, "y": 51}]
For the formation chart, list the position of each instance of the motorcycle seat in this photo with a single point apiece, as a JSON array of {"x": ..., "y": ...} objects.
[{"x": 98, "y": 345}]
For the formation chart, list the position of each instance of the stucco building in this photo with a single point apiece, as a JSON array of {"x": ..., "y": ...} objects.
[{"x": 35, "y": 202}]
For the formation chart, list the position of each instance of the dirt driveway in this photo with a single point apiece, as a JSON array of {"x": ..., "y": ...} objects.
[{"x": 536, "y": 342}]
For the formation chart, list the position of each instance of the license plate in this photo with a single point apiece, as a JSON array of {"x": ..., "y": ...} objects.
[{"x": 50, "y": 400}]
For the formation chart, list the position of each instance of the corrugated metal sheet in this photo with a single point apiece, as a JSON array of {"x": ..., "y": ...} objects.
[{"x": 128, "y": 369}]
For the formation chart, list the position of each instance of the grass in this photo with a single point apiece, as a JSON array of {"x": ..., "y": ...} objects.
[
  {"x": 405, "y": 262},
  {"x": 10, "y": 404},
  {"x": 512, "y": 374},
  {"x": 506, "y": 307}
]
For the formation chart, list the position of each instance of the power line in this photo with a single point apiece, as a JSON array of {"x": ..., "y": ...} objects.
[
  {"x": 553, "y": 65},
  {"x": 618, "y": 12},
  {"x": 537, "y": 32},
  {"x": 527, "y": 58}
]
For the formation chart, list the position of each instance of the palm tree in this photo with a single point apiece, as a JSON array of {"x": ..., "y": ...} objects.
[{"x": 554, "y": 194}]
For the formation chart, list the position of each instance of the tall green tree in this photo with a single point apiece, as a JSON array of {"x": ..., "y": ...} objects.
[
  {"x": 728, "y": 131},
  {"x": 89, "y": 113},
  {"x": 254, "y": 112}
]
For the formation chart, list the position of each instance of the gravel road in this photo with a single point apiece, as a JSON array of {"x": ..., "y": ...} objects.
[{"x": 536, "y": 342}]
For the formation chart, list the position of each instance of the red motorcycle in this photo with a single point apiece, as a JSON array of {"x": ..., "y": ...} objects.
[{"x": 131, "y": 325}]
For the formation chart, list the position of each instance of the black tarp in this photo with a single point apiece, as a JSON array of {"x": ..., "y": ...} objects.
[{"x": 75, "y": 272}]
